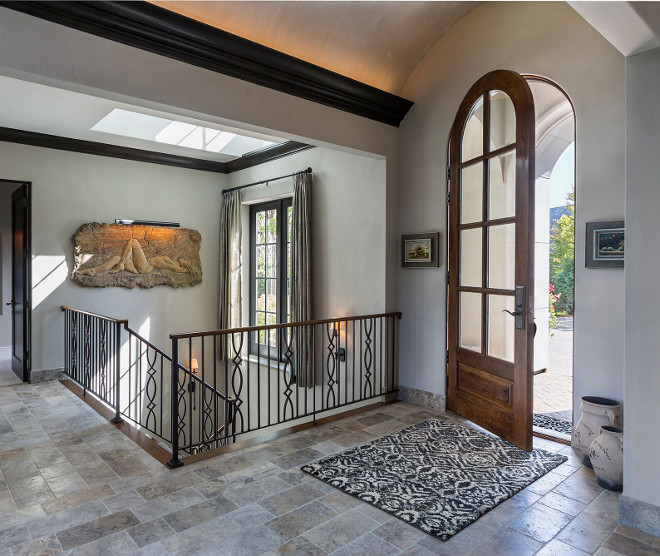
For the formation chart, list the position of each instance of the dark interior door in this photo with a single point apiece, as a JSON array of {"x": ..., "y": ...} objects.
[
  {"x": 20, "y": 284},
  {"x": 491, "y": 258}
]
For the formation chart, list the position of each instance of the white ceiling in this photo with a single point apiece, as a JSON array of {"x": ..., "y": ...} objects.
[
  {"x": 40, "y": 108},
  {"x": 378, "y": 43},
  {"x": 631, "y": 27}
]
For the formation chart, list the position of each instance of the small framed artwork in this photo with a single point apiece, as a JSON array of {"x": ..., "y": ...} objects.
[
  {"x": 605, "y": 245},
  {"x": 420, "y": 250}
]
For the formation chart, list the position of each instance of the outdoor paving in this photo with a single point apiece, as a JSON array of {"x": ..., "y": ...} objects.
[
  {"x": 71, "y": 483},
  {"x": 553, "y": 390}
]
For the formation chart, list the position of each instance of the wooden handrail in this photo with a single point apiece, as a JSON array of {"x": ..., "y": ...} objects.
[
  {"x": 277, "y": 326},
  {"x": 110, "y": 319}
]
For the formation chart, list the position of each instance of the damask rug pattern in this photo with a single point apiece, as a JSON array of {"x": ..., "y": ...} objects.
[
  {"x": 438, "y": 476},
  {"x": 549, "y": 422}
]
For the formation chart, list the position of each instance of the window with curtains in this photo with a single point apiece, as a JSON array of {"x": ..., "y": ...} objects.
[{"x": 270, "y": 271}]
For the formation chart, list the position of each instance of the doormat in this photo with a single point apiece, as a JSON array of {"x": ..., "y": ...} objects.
[
  {"x": 438, "y": 476},
  {"x": 551, "y": 423}
]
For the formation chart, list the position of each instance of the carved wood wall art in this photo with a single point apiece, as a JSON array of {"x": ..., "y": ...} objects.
[{"x": 136, "y": 255}]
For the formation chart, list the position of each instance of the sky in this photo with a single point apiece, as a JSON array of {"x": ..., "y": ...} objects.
[{"x": 563, "y": 177}]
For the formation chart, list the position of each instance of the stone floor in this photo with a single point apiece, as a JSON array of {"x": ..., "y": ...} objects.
[
  {"x": 71, "y": 483},
  {"x": 553, "y": 390}
]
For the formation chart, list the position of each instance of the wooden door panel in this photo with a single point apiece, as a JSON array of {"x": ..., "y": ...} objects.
[
  {"x": 486, "y": 386},
  {"x": 491, "y": 382}
]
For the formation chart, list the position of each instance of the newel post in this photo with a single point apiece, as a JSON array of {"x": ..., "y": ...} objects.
[{"x": 174, "y": 409}]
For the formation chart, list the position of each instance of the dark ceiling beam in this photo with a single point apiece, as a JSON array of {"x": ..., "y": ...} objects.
[
  {"x": 149, "y": 27},
  {"x": 266, "y": 155},
  {"x": 102, "y": 149},
  {"x": 35, "y": 139}
]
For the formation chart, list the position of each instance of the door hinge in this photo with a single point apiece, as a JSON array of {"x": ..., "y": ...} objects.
[
  {"x": 447, "y": 277},
  {"x": 447, "y": 356},
  {"x": 448, "y": 173},
  {"x": 448, "y": 197}
]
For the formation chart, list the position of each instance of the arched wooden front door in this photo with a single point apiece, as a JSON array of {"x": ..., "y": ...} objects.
[{"x": 491, "y": 257}]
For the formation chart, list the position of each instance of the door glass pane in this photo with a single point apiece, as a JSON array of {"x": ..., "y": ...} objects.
[
  {"x": 501, "y": 327},
  {"x": 473, "y": 133},
  {"x": 502, "y": 120},
  {"x": 472, "y": 183},
  {"x": 502, "y": 256},
  {"x": 502, "y": 186},
  {"x": 469, "y": 322},
  {"x": 470, "y": 258}
]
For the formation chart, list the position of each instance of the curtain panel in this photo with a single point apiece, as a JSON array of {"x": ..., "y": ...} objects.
[
  {"x": 301, "y": 277},
  {"x": 229, "y": 310}
]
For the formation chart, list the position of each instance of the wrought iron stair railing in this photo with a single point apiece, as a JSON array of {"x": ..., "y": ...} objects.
[
  {"x": 248, "y": 379},
  {"x": 130, "y": 374}
]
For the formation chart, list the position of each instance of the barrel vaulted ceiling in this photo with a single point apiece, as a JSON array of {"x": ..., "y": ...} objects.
[{"x": 377, "y": 43}]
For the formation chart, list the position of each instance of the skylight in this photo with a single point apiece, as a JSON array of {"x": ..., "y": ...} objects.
[{"x": 182, "y": 134}]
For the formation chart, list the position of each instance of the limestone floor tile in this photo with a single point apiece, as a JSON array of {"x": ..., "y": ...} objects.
[
  {"x": 340, "y": 501},
  {"x": 367, "y": 545},
  {"x": 30, "y": 491},
  {"x": 300, "y": 520},
  {"x": 150, "y": 532},
  {"x": 562, "y": 503},
  {"x": 63, "y": 485},
  {"x": 201, "y": 537},
  {"x": 167, "y": 504},
  {"x": 557, "y": 548},
  {"x": 354, "y": 438},
  {"x": 290, "y": 499},
  {"x": 166, "y": 486},
  {"x": 77, "y": 499},
  {"x": 251, "y": 515},
  {"x": 646, "y": 538},
  {"x": 540, "y": 522},
  {"x": 399, "y": 534},
  {"x": 507, "y": 542},
  {"x": 117, "y": 544},
  {"x": 199, "y": 513},
  {"x": 298, "y": 458},
  {"x": 299, "y": 546},
  {"x": 336, "y": 533},
  {"x": 44, "y": 546},
  {"x": 15, "y": 535},
  {"x": 626, "y": 545},
  {"x": 66, "y": 519},
  {"x": 97, "y": 529},
  {"x": 259, "y": 540},
  {"x": 96, "y": 473},
  {"x": 257, "y": 490},
  {"x": 586, "y": 532},
  {"x": 123, "y": 501}
]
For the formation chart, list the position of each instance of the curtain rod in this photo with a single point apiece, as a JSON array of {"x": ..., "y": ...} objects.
[{"x": 305, "y": 171}]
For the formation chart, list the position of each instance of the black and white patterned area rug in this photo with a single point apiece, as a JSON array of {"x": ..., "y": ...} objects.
[
  {"x": 551, "y": 423},
  {"x": 438, "y": 476}
]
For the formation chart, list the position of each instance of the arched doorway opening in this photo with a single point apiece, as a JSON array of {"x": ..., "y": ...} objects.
[{"x": 554, "y": 256}]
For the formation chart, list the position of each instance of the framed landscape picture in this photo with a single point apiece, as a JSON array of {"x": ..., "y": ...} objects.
[
  {"x": 420, "y": 250},
  {"x": 605, "y": 245}
]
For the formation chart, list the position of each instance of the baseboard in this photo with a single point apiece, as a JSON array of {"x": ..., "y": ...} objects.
[
  {"x": 639, "y": 515},
  {"x": 423, "y": 398},
  {"x": 5, "y": 352},
  {"x": 44, "y": 375}
]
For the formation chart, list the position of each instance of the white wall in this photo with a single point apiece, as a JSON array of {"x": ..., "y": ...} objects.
[
  {"x": 69, "y": 189},
  {"x": 348, "y": 236},
  {"x": 5, "y": 268},
  {"x": 548, "y": 39},
  {"x": 81, "y": 62},
  {"x": 642, "y": 370}
]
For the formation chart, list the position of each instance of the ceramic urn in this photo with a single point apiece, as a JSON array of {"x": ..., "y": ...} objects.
[
  {"x": 596, "y": 412},
  {"x": 606, "y": 457}
]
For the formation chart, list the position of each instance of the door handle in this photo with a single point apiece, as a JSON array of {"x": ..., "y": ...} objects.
[
  {"x": 513, "y": 314},
  {"x": 519, "y": 313},
  {"x": 10, "y": 304}
]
